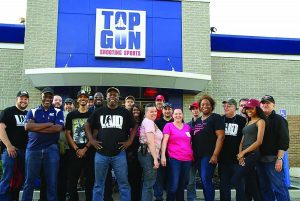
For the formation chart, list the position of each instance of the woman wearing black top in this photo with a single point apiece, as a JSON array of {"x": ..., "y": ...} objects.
[
  {"x": 134, "y": 168},
  {"x": 207, "y": 141}
]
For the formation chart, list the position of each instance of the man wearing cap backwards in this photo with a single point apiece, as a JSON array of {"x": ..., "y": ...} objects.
[
  {"x": 81, "y": 155},
  {"x": 68, "y": 106},
  {"x": 14, "y": 138},
  {"x": 159, "y": 102},
  {"x": 275, "y": 142},
  {"x": 44, "y": 124},
  {"x": 129, "y": 101},
  {"x": 111, "y": 125},
  {"x": 191, "y": 187},
  {"x": 228, "y": 164},
  {"x": 161, "y": 178}
]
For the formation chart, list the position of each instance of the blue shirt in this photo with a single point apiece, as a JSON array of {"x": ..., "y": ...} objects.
[{"x": 37, "y": 140}]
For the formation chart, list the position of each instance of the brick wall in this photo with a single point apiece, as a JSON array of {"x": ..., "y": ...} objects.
[
  {"x": 195, "y": 43},
  {"x": 11, "y": 71},
  {"x": 294, "y": 150},
  {"x": 40, "y": 40}
]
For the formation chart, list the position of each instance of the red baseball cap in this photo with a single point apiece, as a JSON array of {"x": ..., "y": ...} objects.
[
  {"x": 252, "y": 103},
  {"x": 160, "y": 97},
  {"x": 194, "y": 104}
]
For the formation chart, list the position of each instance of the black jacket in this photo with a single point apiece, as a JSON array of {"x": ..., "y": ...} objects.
[{"x": 276, "y": 135}]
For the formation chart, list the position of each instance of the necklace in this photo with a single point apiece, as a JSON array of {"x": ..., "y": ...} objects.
[{"x": 203, "y": 118}]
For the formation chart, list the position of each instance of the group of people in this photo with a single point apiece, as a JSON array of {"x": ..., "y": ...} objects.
[{"x": 150, "y": 150}]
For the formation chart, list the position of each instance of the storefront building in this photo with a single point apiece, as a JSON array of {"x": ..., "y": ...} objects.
[{"x": 146, "y": 47}]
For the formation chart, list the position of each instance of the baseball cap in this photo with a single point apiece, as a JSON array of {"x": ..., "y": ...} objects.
[
  {"x": 252, "y": 103},
  {"x": 82, "y": 92},
  {"x": 47, "y": 90},
  {"x": 160, "y": 97},
  {"x": 130, "y": 97},
  {"x": 267, "y": 98},
  {"x": 194, "y": 104},
  {"x": 23, "y": 93},
  {"x": 230, "y": 101},
  {"x": 112, "y": 89},
  {"x": 167, "y": 105},
  {"x": 69, "y": 100}
]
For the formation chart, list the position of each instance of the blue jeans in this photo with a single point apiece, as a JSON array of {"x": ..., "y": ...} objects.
[
  {"x": 119, "y": 165},
  {"x": 272, "y": 183},
  {"x": 48, "y": 158},
  {"x": 178, "y": 174},
  {"x": 191, "y": 187},
  {"x": 149, "y": 176},
  {"x": 226, "y": 172},
  {"x": 241, "y": 172},
  {"x": 206, "y": 172},
  {"x": 160, "y": 183},
  {"x": 7, "y": 173}
]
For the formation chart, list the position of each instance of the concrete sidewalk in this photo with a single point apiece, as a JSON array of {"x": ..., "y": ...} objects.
[{"x": 295, "y": 195}]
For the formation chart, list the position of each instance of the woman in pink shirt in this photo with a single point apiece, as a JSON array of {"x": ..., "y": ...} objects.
[
  {"x": 150, "y": 139},
  {"x": 177, "y": 140}
]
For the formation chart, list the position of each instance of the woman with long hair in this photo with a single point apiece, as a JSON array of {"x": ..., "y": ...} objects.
[
  {"x": 177, "y": 141},
  {"x": 134, "y": 168},
  {"x": 207, "y": 141},
  {"x": 149, "y": 151},
  {"x": 249, "y": 154}
]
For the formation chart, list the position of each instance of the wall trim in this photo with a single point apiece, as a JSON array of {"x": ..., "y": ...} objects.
[
  {"x": 255, "y": 56},
  {"x": 16, "y": 46}
]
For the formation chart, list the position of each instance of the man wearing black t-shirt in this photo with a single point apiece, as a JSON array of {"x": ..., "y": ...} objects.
[
  {"x": 227, "y": 161},
  {"x": 161, "y": 178},
  {"x": 14, "y": 138},
  {"x": 111, "y": 126},
  {"x": 81, "y": 156}
]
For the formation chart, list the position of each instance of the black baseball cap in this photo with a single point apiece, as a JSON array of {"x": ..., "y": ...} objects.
[
  {"x": 167, "y": 105},
  {"x": 82, "y": 92},
  {"x": 267, "y": 98},
  {"x": 69, "y": 100},
  {"x": 47, "y": 90},
  {"x": 23, "y": 93}
]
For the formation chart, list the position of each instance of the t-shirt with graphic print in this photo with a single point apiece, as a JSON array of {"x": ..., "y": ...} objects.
[
  {"x": 113, "y": 126},
  {"x": 179, "y": 143},
  {"x": 233, "y": 136},
  {"x": 75, "y": 123},
  {"x": 14, "y": 119},
  {"x": 204, "y": 136}
]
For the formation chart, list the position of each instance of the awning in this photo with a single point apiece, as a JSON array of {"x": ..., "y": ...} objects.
[{"x": 86, "y": 76}]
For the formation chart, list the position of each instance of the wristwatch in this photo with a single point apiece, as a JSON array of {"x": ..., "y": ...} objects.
[{"x": 279, "y": 158}]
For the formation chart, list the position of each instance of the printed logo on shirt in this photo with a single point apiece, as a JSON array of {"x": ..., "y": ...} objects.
[
  {"x": 111, "y": 121},
  {"x": 199, "y": 127},
  {"x": 20, "y": 120},
  {"x": 79, "y": 135},
  {"x": 231, "y": 129},
  {"x": 188, "y": 134},
  {"x": 51, "y": 114}
]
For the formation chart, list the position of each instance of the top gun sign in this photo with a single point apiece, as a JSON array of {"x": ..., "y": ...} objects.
[{"x": 120, "y": 33}]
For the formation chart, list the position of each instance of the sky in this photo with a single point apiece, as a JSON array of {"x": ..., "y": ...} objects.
[{"x": 273, "y": 18}]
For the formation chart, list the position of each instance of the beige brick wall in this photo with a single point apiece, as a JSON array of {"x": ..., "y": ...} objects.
[
  {"x": 294, "y": 150},
  {"x": 196, "y": 37},
  {"x": 11, "y": 71},
  {"x": 40, "y": 40},
  {"x": 195, "y": 44}
]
